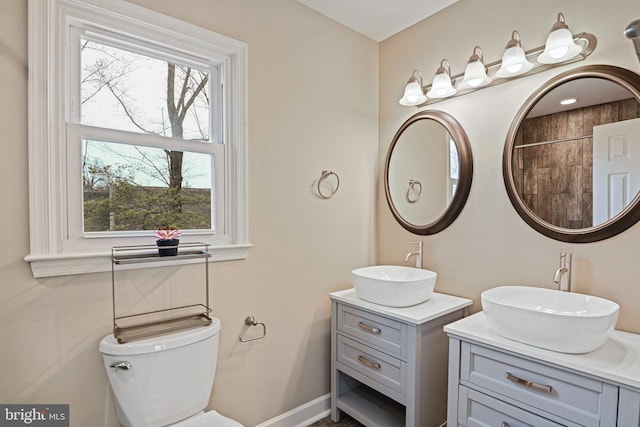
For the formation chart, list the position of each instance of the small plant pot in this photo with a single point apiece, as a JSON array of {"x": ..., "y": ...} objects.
[{"x": 168, "y": 247}]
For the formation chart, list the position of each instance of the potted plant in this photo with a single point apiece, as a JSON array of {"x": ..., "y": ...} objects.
[{"x": 168, "y": 240}]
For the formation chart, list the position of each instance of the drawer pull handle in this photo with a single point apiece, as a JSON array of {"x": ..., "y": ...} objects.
[
  {"x": 535, "y": 386},
  {"x": 369, "y": 328},
  {"x": 369, "y": 363}
]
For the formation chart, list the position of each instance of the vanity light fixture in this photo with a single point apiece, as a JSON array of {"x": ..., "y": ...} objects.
[
  {"x": 561, "y": 48},
  {"x": 560, "y": 45},
  {"x": 413, "y": 92},
  {"x": 514, "y": 59},
  {"x": 442, "y": 86},
  {"x": 475, "y": 75}
]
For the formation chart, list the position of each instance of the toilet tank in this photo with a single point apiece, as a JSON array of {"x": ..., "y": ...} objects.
[{"x": 170, "y": 378}]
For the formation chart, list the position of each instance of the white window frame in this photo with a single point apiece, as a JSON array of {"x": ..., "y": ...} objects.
[{"x": 53, "y": 201}]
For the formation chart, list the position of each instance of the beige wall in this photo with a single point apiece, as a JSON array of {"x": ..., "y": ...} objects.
[
  {"x": 489, "y": 244},
  {"x": 312, "y": 106}
]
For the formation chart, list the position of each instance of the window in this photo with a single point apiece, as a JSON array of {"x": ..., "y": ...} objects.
[
  {"x": 138, "y": 122},
  {"x": 454, "y": 168},
  {"x": 128, "y": 186}
]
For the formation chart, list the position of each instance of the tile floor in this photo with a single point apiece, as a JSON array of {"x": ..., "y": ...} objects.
[{"x": 345, "y": 421}]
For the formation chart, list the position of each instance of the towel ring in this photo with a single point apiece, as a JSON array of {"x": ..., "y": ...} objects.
[
  {"x": 324, "y": 175},
  {"x": 251, "y": 321},
  {"x": 414, "y": 191}
]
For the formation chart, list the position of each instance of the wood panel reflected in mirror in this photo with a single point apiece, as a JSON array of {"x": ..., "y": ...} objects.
[
  {"x": 572, "y": 159},
  {"x": 428, "y": 172}
]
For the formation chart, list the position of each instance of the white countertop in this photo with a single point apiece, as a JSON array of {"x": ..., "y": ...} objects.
[
  {"x": 437, "y": 306},
  {"x": 618, "y": 360}
]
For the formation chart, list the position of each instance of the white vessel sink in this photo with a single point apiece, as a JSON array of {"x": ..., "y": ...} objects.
[
  {"x": 393, "y": 285},
  {"x": 565, "y": 322}
]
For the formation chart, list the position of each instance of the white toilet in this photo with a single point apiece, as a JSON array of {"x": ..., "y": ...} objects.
[{"x": 165, "y": 380}]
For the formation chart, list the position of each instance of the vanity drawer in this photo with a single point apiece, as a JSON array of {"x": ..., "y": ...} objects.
[
  {"x": 381, "y": 332},
  {"x": 534, "y": 385},
  {"x": 479, "y": 410},
  {"x": 380, "y": 367}
]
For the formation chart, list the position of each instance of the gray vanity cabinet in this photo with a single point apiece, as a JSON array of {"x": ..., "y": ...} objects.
[
  {"x": 629, "y": 407},
  {"x": 498, "y": 382},
  {"x": 388, "y": 365},
  {"x": 552, "y": 395}
]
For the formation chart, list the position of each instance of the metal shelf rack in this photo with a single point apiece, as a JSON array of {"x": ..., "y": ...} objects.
[{"x": 159, "y": 322}]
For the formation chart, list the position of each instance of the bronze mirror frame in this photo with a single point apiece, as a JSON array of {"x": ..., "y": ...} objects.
[
  {"x": 464, "y": 177},
  {"x": 616, "y": 225}
]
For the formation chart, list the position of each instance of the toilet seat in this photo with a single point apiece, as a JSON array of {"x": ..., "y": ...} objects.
[{"x": 208, "y": 419}]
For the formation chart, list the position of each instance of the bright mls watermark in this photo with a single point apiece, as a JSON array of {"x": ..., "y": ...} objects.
[{"x": 34, "y": 415}]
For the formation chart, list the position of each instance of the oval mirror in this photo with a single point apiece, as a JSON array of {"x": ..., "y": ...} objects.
[
  {"x": 428, "y": 172},
  {"x": 571, "y": 162}
]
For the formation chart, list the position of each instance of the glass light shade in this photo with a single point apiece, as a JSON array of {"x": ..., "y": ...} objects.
[
  {"x": 560, "y": 46},
  {"x": 441, "y": 86},
  {"x": 413, "y": 94},
  {"x": 514, "y": 63},
  {"x": 475, "y": 75}
]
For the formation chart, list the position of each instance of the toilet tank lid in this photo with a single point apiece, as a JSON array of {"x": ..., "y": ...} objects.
[{"x": 109, "y": 344}]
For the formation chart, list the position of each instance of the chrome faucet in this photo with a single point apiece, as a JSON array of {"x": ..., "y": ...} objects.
[
  {"x": 562, "y": 277},
  {"x": 633, "y": 32},
  {"x": 417, "y": 253}
]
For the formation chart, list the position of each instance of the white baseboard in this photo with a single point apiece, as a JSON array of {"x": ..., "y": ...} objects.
[{"x": 303, "y": 415}]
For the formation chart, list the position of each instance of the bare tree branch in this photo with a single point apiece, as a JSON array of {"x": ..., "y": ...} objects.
[
  {"x": 183, "y": 93},
  {"x": 126, "y": 109},
  {"x": 171, "y": 75},
  {"x": 194, "y": 95}
]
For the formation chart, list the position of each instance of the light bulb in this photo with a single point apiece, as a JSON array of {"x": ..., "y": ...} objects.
[
  {"x": 442, "y": 87},
  {"x": 560, "y": 45},
  {"x": 413, "y": 93},
  {"x": 475, "y": 74},
  {"x": 514, "y": 59},
  {"x": 513, "y": 69}
]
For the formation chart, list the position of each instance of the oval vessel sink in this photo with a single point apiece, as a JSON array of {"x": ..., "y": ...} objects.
[
  {"x": 393, "y": 285},
  {"x": 565, "y": 322}
]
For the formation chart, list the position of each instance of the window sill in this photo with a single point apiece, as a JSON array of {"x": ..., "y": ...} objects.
[{"x": 83, "y": 263}]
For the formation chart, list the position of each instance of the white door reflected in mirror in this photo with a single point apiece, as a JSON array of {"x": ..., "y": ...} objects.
[{"x": 616, "y": 168}]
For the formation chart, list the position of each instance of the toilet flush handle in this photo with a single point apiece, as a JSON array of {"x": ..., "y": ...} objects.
[{"x": 121, "y": 365}]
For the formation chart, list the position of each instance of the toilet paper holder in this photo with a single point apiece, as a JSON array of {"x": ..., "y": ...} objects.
[{"x": 251, "y": 321}]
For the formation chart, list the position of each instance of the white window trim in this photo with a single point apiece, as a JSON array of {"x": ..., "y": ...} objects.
[{"x": 47, "y": 151}]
